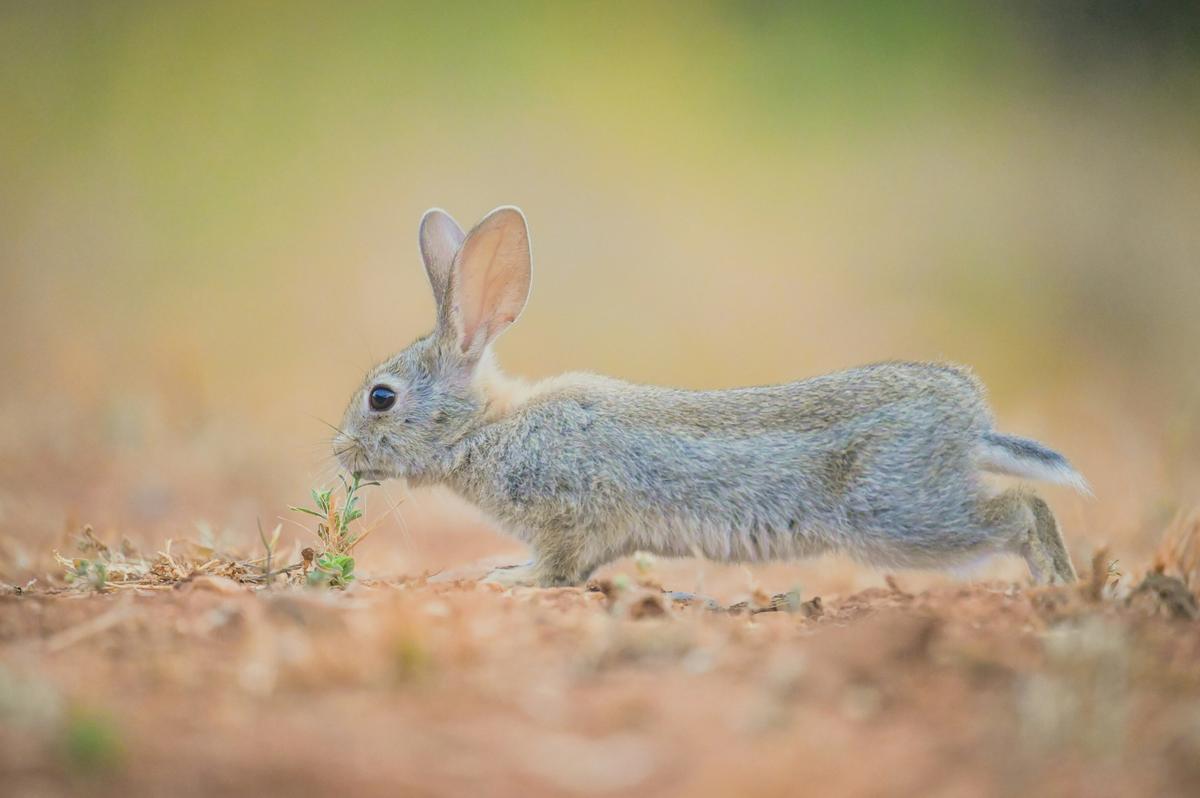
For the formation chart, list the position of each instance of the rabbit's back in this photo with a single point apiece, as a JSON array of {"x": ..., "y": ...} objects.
[{"x": 860, "y": 460}]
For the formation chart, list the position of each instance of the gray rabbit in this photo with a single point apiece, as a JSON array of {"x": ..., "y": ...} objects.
[{"x": 883, "y": 463}]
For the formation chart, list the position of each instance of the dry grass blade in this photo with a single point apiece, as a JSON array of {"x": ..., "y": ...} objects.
[
  {"x": 104, "y": 568},
  {"x": 101, "y": 567},
  {"x": 1179, "y": 551},
  {"x": 1103, "y": 571}
]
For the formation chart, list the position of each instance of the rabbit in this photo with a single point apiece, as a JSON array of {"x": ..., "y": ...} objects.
[{"x": 883, "y": 463}]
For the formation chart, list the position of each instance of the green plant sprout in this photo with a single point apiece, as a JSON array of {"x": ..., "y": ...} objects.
[
  {"x": 334, "y": 566},
  {"x": 332, "y": 570}
]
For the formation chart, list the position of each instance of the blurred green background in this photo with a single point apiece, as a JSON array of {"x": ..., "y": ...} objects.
[{"x": 208, "y": 223}]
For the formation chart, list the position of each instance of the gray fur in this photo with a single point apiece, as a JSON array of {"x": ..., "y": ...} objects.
[{"x": 882, "y": 462}]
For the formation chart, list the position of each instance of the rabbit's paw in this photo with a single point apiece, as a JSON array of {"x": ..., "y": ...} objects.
[{"x": 513, "y": 575}]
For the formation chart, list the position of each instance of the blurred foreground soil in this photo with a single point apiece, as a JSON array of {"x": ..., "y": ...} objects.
[{"x": 444, "y": 685}]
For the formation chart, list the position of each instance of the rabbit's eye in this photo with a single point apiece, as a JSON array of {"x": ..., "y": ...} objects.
[{"x": 381, "y": 397}]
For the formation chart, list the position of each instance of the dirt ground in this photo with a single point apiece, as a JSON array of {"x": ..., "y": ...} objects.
[
  {"x": 443, "y": 685},
  {"x": 194, "y": 678}
]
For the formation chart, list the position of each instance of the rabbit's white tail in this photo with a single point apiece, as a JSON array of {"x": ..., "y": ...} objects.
[{"x": 1021, "y": 457}]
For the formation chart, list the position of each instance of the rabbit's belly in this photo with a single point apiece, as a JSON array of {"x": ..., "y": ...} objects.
[{"x": 730, "y": 539}]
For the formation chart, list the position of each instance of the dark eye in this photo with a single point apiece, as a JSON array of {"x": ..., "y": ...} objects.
[{"x": 381, "y": 397}]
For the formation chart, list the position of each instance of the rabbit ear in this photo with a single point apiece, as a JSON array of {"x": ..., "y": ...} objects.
[
  {"x": 441, "y": 238},
  {"x": 489, "y": 283}
]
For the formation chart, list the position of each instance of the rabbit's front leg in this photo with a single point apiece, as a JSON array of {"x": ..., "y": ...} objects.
[
  {"x": 567, "y": 556},
  {"x": 562, "y": 557},
  {"x": 522, "y": 575},
  {"x": 535, "y": 573}
]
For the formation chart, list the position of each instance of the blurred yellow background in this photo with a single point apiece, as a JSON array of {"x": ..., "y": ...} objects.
[{"x": 208, "y": 232}]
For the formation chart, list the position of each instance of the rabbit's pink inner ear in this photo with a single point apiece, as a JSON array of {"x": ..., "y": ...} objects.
[
  {"x": 440, "y": 239},
  {"x": 491, "y": 277}
]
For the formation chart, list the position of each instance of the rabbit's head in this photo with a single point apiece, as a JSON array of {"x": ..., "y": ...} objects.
[{"x": 411, "y": 410}]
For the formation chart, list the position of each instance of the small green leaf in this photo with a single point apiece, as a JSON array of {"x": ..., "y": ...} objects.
[
  {"x": 306, "y": 510},
  {"x": 321, "y": 498}
]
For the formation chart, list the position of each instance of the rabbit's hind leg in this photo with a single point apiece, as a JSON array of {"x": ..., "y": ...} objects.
[
  {"x": 1026, "y": 523},
  {"x": 1051, "y": 540}
]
